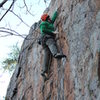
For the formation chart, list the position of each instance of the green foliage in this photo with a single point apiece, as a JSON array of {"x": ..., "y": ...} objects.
[{"x": 10, "y": 62}]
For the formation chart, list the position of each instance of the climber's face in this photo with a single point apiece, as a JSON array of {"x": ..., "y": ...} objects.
[{"x": 49, "y": 19}]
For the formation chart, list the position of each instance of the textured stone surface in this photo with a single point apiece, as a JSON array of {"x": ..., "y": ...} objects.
[{"x": 78, "y": 77}]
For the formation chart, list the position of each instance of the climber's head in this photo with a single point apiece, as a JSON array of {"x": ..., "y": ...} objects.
[{"x": 45, "y": 17}]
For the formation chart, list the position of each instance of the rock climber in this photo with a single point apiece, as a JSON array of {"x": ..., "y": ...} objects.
[{"x": 48, "y": 42}]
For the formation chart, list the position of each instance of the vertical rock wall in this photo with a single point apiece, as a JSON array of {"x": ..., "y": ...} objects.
[{"x": 75, "y": 78}]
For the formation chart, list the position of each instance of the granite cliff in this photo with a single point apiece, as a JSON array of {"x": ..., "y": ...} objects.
[{"x": 74, "y": 78}]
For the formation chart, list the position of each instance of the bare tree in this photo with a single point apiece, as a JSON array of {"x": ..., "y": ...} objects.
[{"x": 5, "y": 31}]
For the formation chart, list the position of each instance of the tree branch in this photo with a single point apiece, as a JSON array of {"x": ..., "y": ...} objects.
[
  {"x": 20, "y": 18},
  {"x": 7, "y": 10},
  {"x": 27, "y": 8},
  {"x": 2, "y": 3},
  {"x": 10, "y": 32}
]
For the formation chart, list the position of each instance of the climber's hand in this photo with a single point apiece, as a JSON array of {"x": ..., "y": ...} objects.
[
  {"x": 58, "y": 9},
  {"x": 55, "y": 32}
]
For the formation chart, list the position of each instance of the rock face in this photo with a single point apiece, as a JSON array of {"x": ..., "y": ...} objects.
[{"x": 75, "y": 78}]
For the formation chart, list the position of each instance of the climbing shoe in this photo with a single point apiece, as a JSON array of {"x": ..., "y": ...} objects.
[
  {"x": 45, "y": 76},
  {"x": 58, "y": 55}
]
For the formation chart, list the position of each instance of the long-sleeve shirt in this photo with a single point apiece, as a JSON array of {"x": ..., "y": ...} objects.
[{"x": 48, "y": 27}]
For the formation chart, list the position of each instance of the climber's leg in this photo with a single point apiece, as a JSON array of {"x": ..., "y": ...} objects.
[
  {"x": 53, "y": 48},
  {"x": 46, "y": 60}
]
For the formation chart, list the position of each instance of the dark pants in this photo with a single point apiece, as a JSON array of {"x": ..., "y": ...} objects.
[
  {"x": 50, "y": 49},
  {"x": 46, "y": 60}
]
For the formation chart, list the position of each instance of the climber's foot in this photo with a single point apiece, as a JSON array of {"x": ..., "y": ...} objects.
[
  {"x": 59, "y": 56},
  {"x": 45, "y": 76}
]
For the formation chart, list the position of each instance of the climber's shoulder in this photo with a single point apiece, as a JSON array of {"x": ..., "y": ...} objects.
[{"x": 44, "y": 23}]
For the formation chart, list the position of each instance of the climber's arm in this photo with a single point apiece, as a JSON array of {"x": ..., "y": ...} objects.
[
  {"x": 54, "y": 16},
  {"x": 44, "y": 30}
]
